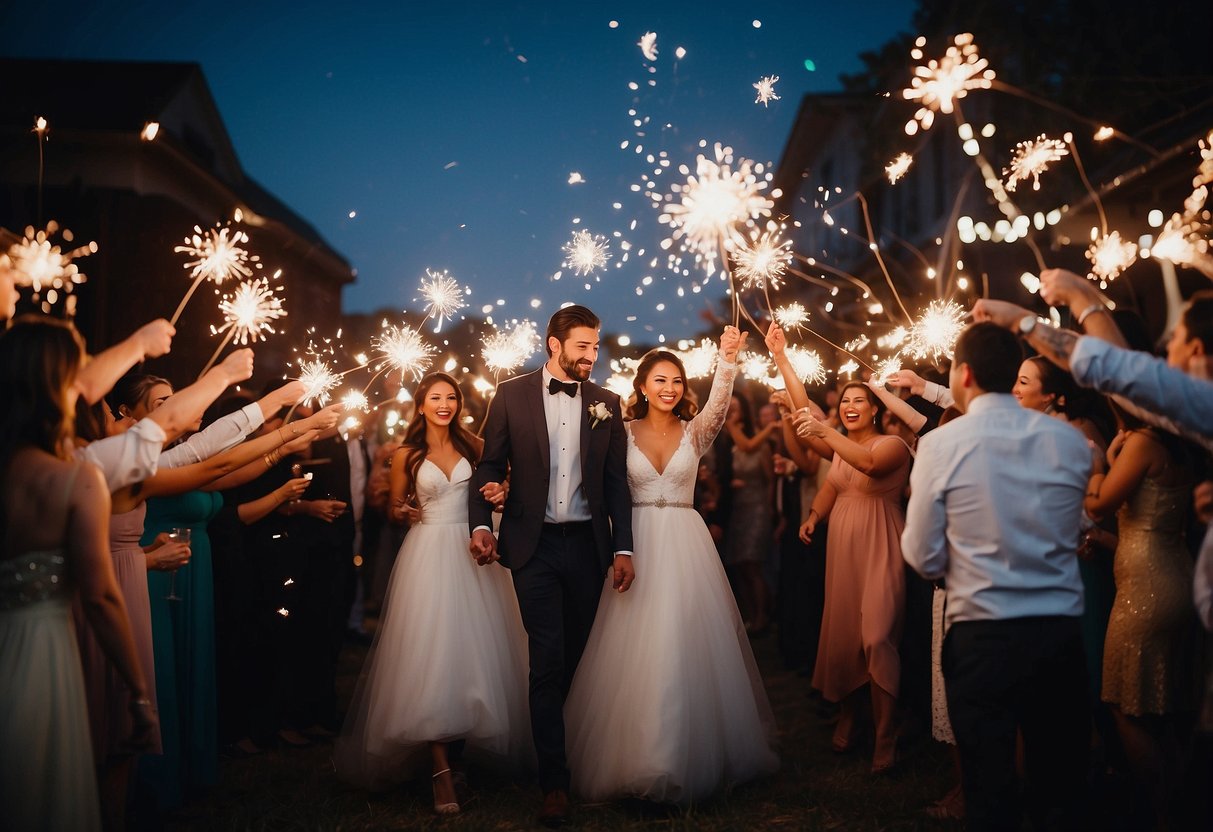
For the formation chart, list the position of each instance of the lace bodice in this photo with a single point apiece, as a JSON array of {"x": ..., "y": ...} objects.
[
  {"x": 676, "y": 484},
  {"x": 33, "y": 577},
  {"x": 443, "y": 502}
]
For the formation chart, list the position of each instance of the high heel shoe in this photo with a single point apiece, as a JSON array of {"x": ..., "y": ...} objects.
[{"x": 443, "y": 808}]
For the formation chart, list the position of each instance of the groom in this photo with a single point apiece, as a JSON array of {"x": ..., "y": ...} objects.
[{"x": 567, "y": 520}]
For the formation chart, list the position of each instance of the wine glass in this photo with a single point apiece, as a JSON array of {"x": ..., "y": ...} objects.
[{"x": 181, "y": 535}]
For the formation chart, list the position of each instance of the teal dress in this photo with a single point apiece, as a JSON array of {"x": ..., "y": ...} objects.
[{"x": 183, "y": 640}]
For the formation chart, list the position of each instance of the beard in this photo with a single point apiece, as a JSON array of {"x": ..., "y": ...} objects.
[{"x": 578, "y": 370}]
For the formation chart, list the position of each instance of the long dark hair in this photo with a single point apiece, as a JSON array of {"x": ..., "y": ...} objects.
[
  {"x": 638, "y": 404},
  {"x": 1070, "y": 399},
  {"x": 877, "y": 404},
  {"x": 416, "y": 445},
  {"x": 39, "y": 359}
]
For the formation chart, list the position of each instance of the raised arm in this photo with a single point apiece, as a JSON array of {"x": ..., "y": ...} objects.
[
  {"x": 777, "y": 345},
  {"x": 902, "y": 410},
  {"x": 708, "y": 421},
  {"x": 101, "y": 373},
  {"x": 1088, "y": 305},
  {"x": 254, "y": 510},
  {"x": 876, "y": 461},
  {"x": 917, "y": 385},
  {"x": 186, "y": 406}
]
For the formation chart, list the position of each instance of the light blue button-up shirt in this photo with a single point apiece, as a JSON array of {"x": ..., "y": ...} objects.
[{"x": 995, "y": 508}]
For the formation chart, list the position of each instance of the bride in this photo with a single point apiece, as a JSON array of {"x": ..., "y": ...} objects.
[{"x": 667, "y": 703}]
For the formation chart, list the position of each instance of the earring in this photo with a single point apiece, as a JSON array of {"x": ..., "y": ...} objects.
[{"x": 643, "y": 397}]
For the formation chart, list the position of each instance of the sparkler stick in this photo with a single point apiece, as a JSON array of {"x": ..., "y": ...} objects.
[
  {"x": 867, "y": 221},
  {"x": 1103, "y": 218},
  {"x": 40, "y": 128},
  {"x": 219, "y": 257},
  {"x": 1002, "y": 86},
  {"x": 226, "y": 340}
]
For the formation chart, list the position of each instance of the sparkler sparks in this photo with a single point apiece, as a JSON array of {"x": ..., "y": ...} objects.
[
  {"x": 586, "y": 253},
  {"x": 898, "y": 167},
  {"x": 766, "y": 90},
  {"x": 763, "y": 263},
  {"x": 885, "y": 369},
  {"x": 791, "y": 316},
  {"x": 250, "y": 311},
  {"x": 1109, "y": 256},
  {"x": 1031, "y": 159},
  {"x": 403, "y": 349},
  {"x": 933, "y": 336},
  {"x": 37, "y": 263},
  {"x": 648, "y": 46},
  {"x": 709, "y": 209},
  {"x": 808, "y": 365},
  {"x": 504, "y": 351},
  {"x": 219, "y": 254},
  {"x": 443, "y": 295},
  {"x": 756, "y": 367},
  {"x": 620, "y": 385},
  {"x": 937, "y": 85},
  {"x": 318, "y": 379},
  {"x": 356, "y": 400},
  {"x": 700, "y": 360}
]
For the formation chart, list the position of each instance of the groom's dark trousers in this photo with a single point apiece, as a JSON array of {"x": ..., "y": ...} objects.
[{"x": 558, "y": 591}]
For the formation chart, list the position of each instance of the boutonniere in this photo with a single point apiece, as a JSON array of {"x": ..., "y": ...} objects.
[{"x": 598, "y": 414}]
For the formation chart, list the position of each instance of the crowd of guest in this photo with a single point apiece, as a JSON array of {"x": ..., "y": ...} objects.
[{"x": 1012, "y": 557}]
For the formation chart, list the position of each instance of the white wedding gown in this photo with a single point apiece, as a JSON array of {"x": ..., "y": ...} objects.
[
  {"x": 450, "y": 657},
  {"x": 667, "y": 703}
]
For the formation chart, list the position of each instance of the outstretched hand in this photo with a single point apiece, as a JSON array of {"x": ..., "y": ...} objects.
[{"x": 623, "y": 574}]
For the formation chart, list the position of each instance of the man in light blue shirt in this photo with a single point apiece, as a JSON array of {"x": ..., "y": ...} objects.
[{"x": 995, "y": 509}]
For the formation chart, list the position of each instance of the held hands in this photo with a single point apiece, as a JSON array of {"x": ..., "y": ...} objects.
[
  {"x": 775, "y": 340},
  {"x": 292, "y": 489},
  {"x": 781, "y": 400},
  {"x": 167, "y": 553},
  {"x": 732, "y": 341},
  {"x": 155, "y": 338},
  {"x": 483, "y": 547},
  {"x": 495, "y": 493},
  {"x": 908, "y": 380},
  {"x": 1005, "y": 315},
  {"x": 623, "y": 573},
  {"x": 238, "y": 366}
]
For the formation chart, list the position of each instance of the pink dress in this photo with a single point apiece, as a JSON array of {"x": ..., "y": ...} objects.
[
  {"x": 865, "y": 581},
  {"x": 108, "y": 696}
]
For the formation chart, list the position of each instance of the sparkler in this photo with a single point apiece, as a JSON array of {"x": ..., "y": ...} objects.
[
  {"x": 586, "y": 253},
  {"x": 757, "y": 367},
  {"x": 700, "y": 360},
  {"x": 620, "y": 385},
  {"x": 1031, "y": 159},
  {"x": 648, "y": 46},
  {"x": 403, "y": 349},
  {"x": 356, "y": 400},
  {"x": 506, "y": 350},
  {"x": 217, "y": 258},
  {"x": 898, "y": 167},
  {"x": 763, "y": 263},
  {"x": 807, "y": 364},
  {"x": 885, "y": 369},
  {"x": 791, "y": 316},
  {"x": 766, "y": 89},
  {"x": 1109, "y": 256},
  {"x": 443, "y": 295},
  {"x": 937, "y": 85},
  {"x": 38, "y": 263},
  {"x": 248, "y": 314},
  {"x": 933, "y": 336},
  {"x": 318, "y": 379}
]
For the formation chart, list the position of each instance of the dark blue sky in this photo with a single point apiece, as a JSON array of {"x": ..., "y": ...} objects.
[{"x": 451, "y": 129}]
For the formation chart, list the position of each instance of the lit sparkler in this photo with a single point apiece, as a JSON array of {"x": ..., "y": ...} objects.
[
  {"x": 700, "y": 360},
  {"x": 1109, "y": 256},
  {"x": 356, "y": 400},
  {"x": 791, "y": 316},
  {"x": 620, "y": 385},
  {"x": 648, "y": 46},
  {"x": 586, "y": 253},
  {"x": 318, "y": 379},
  {"x": 898, "y": 167},
  {"x": 933, "y": 336},
  {"x": 403, "y": 349},
  {"x": 937, "y": 85},
  {"x": 756, "y": 367},
  {"x": 250, "y": 311},
  {"x": 219, "y": 255},
  {"x": 763, "y": 263},
  {"x": 1031, "y": 159},
  {"x": 504, "y": 351},
  {"x": 766, "y": 89},
  {"x": 807, "y": 364},
  {"x": 848, "y": 368},
  {"x": 893, "y": 338},
  {"x": 38, "y": 263},
  {"x": 885, "y": 369},
  {"x": 443, "y": 295}
]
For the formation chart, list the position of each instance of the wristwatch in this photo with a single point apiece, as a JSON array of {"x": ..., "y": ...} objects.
[{"x": 1026, "y": 324}]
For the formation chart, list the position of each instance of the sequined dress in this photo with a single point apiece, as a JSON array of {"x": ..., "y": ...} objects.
[
  {"x": 1146, "y": 658},
  {"x": 47, "y": 780},
  {"x": 667, "y": 703}
]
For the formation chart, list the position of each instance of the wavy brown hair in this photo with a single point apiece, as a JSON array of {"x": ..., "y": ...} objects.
[
  {"x": 638, "y": 404},
  {"x": 415, "y": 443}
]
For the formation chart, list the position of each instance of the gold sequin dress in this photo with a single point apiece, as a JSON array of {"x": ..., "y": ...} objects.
[{"x": 1146, "y": 660}]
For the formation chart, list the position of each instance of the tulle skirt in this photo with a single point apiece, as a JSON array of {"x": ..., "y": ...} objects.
[
  {"x": 449, "y": 662},
  {"x": 667, "y": 703}
]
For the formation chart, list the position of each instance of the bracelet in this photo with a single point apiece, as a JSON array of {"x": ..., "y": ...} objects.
[
  {"x": 143, "y": 703},
  {"x": 1089, "y": 311}
]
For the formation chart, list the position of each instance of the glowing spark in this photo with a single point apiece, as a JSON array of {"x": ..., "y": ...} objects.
[
  {"x": 575, "y": 178},
  {"x": 808, "y": 365},
  {"x": 1104, "y": 133},
  {"x": 443, "y": 295},
  {"x": 648, "y": 46},
  {"x": 150, "y": 131},
  {"x": 218, "y": 256},
  {"x": 40, "y": 126},
  {"x": 504, "y": 351},
  {"x": 933, "y": 336},
  {"x": 700, "y": 360},
  {"x": 620, "y": 385},
  {"x": 356, "y": 400},
  {"x": 791, "y": 316},
  {"x": 1031, "y": 159},
  {"x": 856, "y": 344},
  {"x": 764, "y": 262},
  {"x": 250, "y": 311},
  {"x": 756, "y": 367},
  {"x": 404, "y": 350},
  {"x": 848, "y": 368},
  {"x": 586, "y": 253},
  {"x": 1181, "y": 243},
  {"x": 898, "y": 167},
  {"x": 766, "y": 89},
  {"x": 318, "y": 379},
  {"x": 36, "y": 262},
  {"x": 937, "y": 85},
  {"x": 1109, "y": 256},
  {"x": 885, "y": 369},
  {"x": 894, "y": 338},
  {"x": 712, "y": 206}
]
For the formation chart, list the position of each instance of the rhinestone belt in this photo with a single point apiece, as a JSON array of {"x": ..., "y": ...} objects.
[{"x": 661, "y": 502}]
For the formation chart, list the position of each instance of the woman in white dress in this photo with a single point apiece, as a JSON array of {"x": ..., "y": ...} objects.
[
  {"x": 667, "y": 703},
  {"x": 449, "y": 663}
]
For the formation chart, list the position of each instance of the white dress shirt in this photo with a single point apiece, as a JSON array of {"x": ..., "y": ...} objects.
[
  {"x": 995, "y": 508},
  {"x": 566, "y": 499},
  {"x": 220, "y": 435},
  {"x": 128, "y": 457},
  {"x": 937, "y": 394}
]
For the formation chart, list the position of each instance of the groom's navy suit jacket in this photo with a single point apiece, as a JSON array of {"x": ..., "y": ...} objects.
[{"x": 516, "y": 441}]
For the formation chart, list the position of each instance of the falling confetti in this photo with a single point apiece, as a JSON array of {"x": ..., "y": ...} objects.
[
  {"x": 1031, "y": 159},
  {"x": 575, "y": 178},
  {"x": 766, "y": 90}
]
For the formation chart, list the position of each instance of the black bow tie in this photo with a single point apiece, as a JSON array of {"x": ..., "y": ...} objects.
[{"x": 555, "y": 386}]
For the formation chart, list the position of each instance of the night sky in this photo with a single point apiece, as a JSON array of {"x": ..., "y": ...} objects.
[{"x": 450, "y": 133}]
